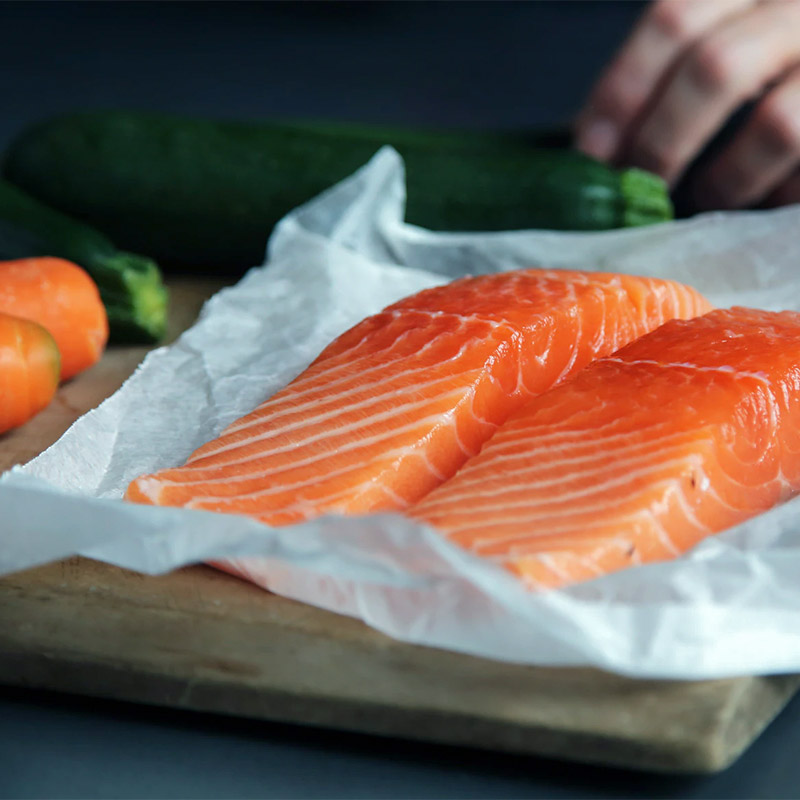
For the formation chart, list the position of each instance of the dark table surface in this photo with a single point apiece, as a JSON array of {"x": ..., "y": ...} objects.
[
  {"x": 480, "y": 65},
  {"x": 57, "y": 746}
]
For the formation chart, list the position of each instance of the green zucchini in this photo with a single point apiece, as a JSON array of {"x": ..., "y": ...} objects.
[
  {"x": 130, "y": 285},
  {"x": 204, "y": 193}
]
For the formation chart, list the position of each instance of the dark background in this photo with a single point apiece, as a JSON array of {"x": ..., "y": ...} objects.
[
  {"x": 451, "y": 64},
  {"x": 473, "y": 64}
]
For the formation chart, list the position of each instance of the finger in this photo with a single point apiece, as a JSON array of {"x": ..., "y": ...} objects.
[
  {"x": 763, "y": 154},
  {"x": 664, "y": 31},
  {"x": 787, "y": 193},
  {"x": 723, "y": 69}
]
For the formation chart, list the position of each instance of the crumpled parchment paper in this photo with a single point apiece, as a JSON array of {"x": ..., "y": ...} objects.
[{"x": 731, "y": 606}]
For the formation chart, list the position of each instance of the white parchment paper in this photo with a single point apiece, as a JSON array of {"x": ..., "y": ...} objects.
[{"x": 731, "y": 606}]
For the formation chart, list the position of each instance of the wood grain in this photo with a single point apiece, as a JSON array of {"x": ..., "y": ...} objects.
[{"x": 200, "y": 639}]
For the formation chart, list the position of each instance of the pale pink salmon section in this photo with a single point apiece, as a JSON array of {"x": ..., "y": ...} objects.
[
  {"x": 394, "y": 406},
  {"x": 687, "y": 431}
]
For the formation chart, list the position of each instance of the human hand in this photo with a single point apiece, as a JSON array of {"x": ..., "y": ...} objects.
[{"x": 687, "y": 66}]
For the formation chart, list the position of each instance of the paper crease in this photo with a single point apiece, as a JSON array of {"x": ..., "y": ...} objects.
[{"x": 729, "y": 607}]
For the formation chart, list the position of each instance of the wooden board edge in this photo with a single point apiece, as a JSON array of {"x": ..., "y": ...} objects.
[
  {"x": 753, "y": 705},
  {"x": 707, "y": 748},
  {"x": 114, "y": 682}
]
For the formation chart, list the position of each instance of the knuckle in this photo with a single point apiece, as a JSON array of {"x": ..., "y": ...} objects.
[
  {"x": 631, "y": 89},
  {"x": 713, "y": 65},
  {"x": 616, "y": 100},
  {"x": 672, "y": 18},
  {"x": 778, "y": 126}
]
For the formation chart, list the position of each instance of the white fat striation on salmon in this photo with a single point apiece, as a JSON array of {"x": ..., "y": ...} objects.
[
  {"x": 683, "y": 433},
  {"x": 398, "y": 403}
]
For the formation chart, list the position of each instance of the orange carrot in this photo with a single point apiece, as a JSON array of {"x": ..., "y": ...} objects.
[
  {"x": 63, "y": 298},
  {"x": 29, "y": 370}
]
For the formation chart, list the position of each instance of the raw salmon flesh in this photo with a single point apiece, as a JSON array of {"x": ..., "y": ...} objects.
[
  {"x": 687, "y": 431},
  {"x": 396, "y": 405}
]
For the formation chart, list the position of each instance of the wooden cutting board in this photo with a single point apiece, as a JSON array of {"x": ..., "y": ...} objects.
[{"x": 200, "y": 639}]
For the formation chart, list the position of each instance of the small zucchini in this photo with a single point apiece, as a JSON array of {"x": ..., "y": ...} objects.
[{"x": 130, "y": 285}]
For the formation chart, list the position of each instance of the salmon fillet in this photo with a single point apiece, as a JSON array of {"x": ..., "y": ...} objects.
[
  {"x": 394, "y": 406},
  {"x": 689, "y": 430}
]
